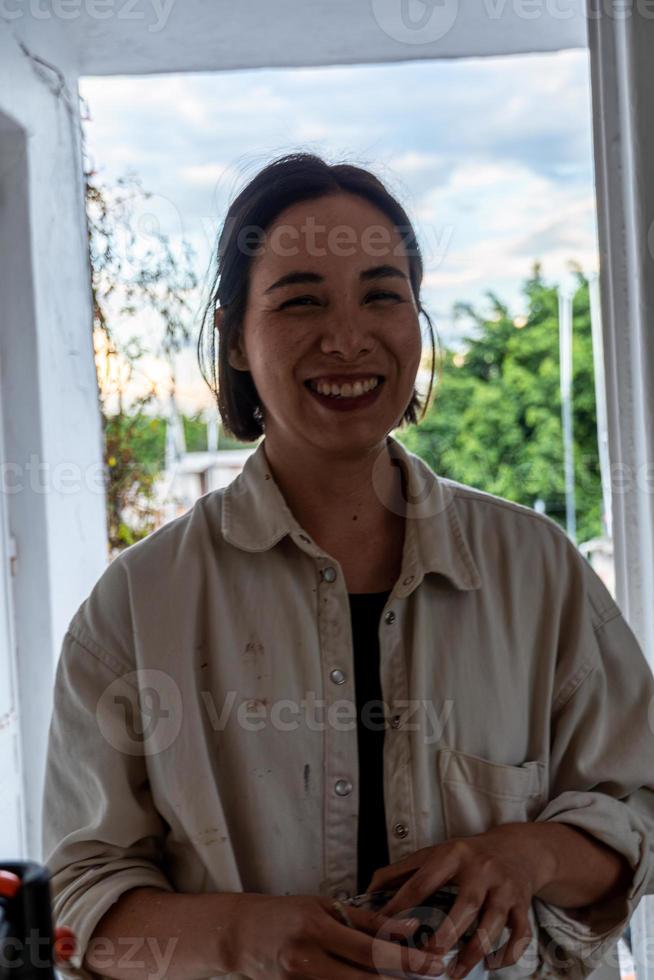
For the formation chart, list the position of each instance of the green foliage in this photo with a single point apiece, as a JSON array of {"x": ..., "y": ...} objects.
[
  {"x": 495, "y": 422},
  {"x": 195, "y": 433},
  {"x": 227, "y": 441},
  {"x": 134, "y": 269},
  {"x": 134, "y": 453}
]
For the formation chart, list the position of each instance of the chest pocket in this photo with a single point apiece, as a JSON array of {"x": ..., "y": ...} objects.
[{"x": 478, "y": 794}]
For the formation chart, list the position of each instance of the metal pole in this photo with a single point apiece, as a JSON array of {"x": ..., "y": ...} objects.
[
  {"x": 600, "y": 402},
  {"x": 565, "y": 355},
  {"x": 212, "y": 430}
]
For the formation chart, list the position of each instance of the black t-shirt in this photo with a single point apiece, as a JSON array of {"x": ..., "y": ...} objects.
[{"x": 365, "y": 611}]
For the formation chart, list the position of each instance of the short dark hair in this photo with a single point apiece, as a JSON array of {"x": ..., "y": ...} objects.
[{"x": 285, "y": 181}]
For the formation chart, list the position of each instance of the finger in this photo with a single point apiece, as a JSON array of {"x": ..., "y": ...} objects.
[
  {"x": 426, "y": 880},
  {"x": 387, "y": 927},
  {"x": 481, "y": 943},
  {"x": 393, "y": 874},
  {"x": 368, "y": 923},
  {"x": 517, "y": 943},
  {"x": 378, "y": 954},
  {"x": 460, "y": 917}
]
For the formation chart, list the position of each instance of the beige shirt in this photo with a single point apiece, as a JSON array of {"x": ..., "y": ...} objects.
[{"x": 514, "y": 691}]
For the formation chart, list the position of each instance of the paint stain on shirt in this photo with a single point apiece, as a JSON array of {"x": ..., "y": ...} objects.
[{"x": 254, "y": 648}]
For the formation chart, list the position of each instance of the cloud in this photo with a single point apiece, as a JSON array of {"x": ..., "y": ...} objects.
[{"x": 207, "y": 174}]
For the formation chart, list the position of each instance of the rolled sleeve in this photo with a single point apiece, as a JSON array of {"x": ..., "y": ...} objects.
[
  {"x": 602, "y": 777},
  {"x": 102, "y": 834}
]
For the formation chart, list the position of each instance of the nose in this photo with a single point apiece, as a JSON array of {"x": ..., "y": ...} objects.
[{"x": 346, "y": 336}]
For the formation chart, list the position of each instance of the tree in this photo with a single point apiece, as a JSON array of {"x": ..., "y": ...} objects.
[
  {"x": 131, "y": 274},
  {"x": 495, "y": 422}
]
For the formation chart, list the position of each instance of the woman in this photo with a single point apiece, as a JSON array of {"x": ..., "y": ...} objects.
[{"x": 230, "y": 789}]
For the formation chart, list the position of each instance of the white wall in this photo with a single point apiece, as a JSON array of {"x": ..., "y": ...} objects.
[
  {"x": 622, "y": 69},
  {"x": 52, "y": 437},
  {"x": 203, "y": 35}
]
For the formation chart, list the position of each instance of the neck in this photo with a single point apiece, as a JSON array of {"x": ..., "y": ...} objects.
[{"x": 338, "y": 498}]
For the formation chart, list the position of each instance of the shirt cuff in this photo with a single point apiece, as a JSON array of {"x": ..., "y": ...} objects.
[
  {"x": 574, "y": 942},
  {"x": 81, "y": 906}
]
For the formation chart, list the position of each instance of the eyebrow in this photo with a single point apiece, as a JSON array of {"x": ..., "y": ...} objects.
[{"x": 376, "y": 272}]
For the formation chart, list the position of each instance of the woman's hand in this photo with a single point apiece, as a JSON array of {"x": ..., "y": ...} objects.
[
  {"x": 301, "y": 936},
  {"x": 497, "y": 874}
]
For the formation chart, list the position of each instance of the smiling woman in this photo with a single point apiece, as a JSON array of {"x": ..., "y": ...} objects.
[{"x": 339, "y": 573}]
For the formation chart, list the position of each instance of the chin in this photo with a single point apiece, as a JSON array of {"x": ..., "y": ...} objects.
[{"x": 353, "y": 441}]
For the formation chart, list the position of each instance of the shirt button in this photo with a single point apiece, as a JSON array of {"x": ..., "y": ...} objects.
[
  {"x": 395, "y": 721},
  {"x": 408, "y": 580},
  {"x": 342, "y": 787},
  {"x": 341, "y": 895},
  {"x": 329, "y": 573},
  {"x": 400, "y": 830},
  {"x": 337, "y": 675},
  {"x": 389, "y": 617}
]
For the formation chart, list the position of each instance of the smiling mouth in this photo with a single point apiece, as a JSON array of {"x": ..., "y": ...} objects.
[{"x": 354, "y": 389}]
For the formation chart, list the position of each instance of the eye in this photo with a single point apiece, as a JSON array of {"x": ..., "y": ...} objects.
[
  {"x": 296, "y": 299},
  {"x": 383, "y": 294}
]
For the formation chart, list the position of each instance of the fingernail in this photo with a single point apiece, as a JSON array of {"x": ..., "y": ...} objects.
[{"x": 410, "y": 923}]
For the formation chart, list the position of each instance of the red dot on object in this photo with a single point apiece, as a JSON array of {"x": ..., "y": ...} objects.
[
  {"x": 9, "y": 884},
  {"x": 65, "y": 943}
]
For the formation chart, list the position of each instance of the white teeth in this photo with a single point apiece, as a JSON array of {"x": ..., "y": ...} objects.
[{"x": 346, "y": 390}]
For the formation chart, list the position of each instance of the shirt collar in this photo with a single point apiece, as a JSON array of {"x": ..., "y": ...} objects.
[{"x": 255, "y": 516}]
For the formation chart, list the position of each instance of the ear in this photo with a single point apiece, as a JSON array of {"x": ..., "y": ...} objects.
[{"x": 236, "y": 357}]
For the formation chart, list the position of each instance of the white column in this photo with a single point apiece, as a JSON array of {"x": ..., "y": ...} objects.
[
  {"x": 621, "y": 39},
  {"x": 52, "y": 447}
]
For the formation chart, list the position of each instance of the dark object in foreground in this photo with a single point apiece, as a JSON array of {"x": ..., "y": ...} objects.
[{"x": 29, "y": 946}]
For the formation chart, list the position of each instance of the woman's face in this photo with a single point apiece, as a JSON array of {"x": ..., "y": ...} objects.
[{"x": 349, "y": 318}]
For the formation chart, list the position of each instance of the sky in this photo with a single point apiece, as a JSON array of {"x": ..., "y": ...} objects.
[{"x": 491, "y": 158}]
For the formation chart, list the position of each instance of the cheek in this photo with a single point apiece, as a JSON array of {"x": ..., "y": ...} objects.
[
  {"x": 406, "y": 343},
  {"x": 272, "y": 356}
]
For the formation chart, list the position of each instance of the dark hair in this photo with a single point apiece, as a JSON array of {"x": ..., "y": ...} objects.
[{"x": 285, "y": 181}]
